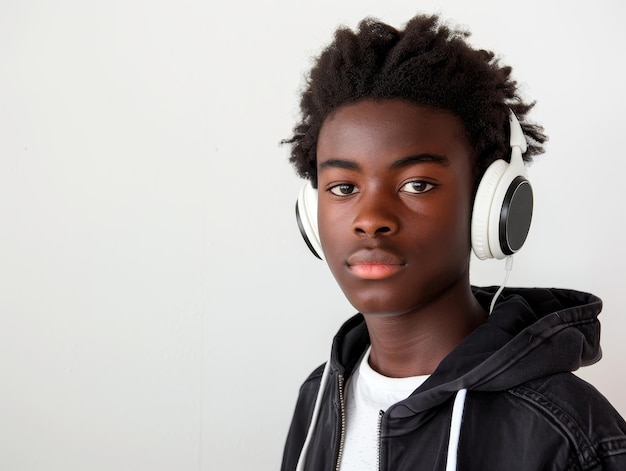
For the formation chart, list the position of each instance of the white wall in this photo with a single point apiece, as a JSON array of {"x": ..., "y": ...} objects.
[{"x": 158, "y": 309}]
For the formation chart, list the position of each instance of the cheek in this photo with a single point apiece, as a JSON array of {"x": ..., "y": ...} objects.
[
  {"x": 331, "y": 227},
  {"x": 450, "y": 223},
  {"x": 460, "y": 202},
  {"x": 460, "y": 226},
  {"x": 460, "y": 216}
]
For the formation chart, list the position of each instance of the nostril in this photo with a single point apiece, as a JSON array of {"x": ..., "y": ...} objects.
[{"x": 380, "y": 230}]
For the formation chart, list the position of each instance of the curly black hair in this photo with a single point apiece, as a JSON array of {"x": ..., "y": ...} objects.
[{"x": 428, "y": 63}]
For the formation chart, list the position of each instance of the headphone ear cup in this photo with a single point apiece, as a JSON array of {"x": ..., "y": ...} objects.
[
  {"x": 503, "y": 205},
  {"x": 306, "y": 217},
  {"x": 514, "y": 216},
  {"x": 502, "y": 211},
  {"x": 483, "y": 203}
]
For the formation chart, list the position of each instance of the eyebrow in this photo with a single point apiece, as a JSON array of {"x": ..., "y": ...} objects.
[
  {"x": 400, "y": 163},
  {"x": 338, "y": 163},
  {"x": 421, "y": 159}
]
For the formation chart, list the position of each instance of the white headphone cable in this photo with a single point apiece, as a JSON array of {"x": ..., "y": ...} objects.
[{"x": 508, "y": 267}]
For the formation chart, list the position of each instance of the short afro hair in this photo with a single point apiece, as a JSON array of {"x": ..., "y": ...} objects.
[{"x": 427, "y": 63}]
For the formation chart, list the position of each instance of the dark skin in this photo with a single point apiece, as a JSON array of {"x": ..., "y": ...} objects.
[{"x": 396, "y": 183}]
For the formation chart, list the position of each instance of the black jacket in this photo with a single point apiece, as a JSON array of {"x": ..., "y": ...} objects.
[{"x": 524, "y": 409}]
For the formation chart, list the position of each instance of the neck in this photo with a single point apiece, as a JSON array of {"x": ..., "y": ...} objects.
[{"x": 414, "y": 343}]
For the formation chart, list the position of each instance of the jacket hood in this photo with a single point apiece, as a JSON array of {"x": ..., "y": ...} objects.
[{"x": 531, "y": 333}]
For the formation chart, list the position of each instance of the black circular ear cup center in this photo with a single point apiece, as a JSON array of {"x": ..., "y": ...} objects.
[{"x": 516, "y": 215}]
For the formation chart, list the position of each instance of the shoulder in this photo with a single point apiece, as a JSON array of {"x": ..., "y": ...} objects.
[
  {"x": 310, "y": 386},
  {"x": 301, "y": 418},
  {"x": 555, "y": 422},
  {"x": 308, "y": 394},
  {"x": 570, "y": 398},
  {"x": 314, "y": 378},
  {"x": 579, "y": 412}
]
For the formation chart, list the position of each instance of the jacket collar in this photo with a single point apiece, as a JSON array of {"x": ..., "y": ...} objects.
[{"x": 531, "y": 333}]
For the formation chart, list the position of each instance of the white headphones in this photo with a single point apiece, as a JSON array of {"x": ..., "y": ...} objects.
[
  {"x": 502, "y": 211},
  {"x": 306, "y": 216}
]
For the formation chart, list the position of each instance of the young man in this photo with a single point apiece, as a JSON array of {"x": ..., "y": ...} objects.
[{"x": 406, "y": 137}]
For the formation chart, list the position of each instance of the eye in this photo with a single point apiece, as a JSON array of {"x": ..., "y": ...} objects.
[
  {"x": 417, "y": 186},
  {"x": 343, "y": 189}
]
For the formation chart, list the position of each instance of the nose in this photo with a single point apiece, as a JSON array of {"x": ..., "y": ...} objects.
[{"x": 375, "y": 216}]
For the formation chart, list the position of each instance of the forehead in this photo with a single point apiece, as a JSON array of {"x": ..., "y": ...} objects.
[{"x": 371, "y": 129}]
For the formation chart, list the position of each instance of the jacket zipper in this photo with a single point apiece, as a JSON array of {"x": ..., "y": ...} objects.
[
  {"x": 379, "y": 437},
  {"x": 342, "y": 405}
]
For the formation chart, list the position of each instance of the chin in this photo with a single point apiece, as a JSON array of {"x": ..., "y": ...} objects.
[
  {"x": 370, "y": 304},
  {"x": 391, "y": 298}
]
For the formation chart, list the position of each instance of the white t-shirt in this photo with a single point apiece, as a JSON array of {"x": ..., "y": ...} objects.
[{"x": 369, "y": 393}]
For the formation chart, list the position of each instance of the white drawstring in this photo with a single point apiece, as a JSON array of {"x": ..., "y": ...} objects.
[
  {"x": 455, "y": 425},
  {"x": 316, "y": 411},
  {"x": 455, "y": 429}
]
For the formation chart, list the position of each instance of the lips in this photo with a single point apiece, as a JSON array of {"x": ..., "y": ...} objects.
[{"x": 374, "y": 264}]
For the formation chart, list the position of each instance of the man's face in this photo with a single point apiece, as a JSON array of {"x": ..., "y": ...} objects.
[{"x": 395, "y": 185}]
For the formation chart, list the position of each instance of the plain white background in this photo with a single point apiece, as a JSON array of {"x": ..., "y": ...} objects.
[{"x": 158, "y": 309}]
